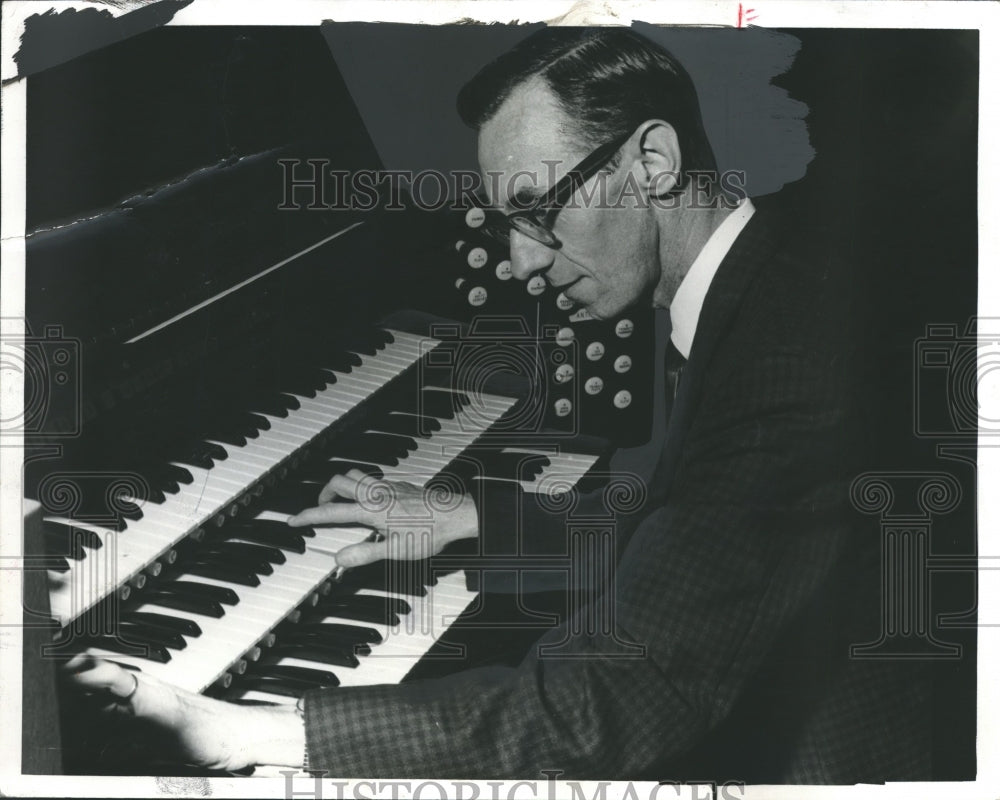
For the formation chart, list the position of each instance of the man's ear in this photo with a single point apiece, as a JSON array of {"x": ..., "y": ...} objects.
[{"x": 659, "y": 157}]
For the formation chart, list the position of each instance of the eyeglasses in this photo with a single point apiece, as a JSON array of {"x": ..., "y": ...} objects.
[{"x": 537, "y": 220}]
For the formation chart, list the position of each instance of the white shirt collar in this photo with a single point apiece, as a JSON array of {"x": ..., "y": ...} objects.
[{"x": 685, "y": 308}]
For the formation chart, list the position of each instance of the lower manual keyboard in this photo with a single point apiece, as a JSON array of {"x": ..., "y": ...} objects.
[{"x": 402, "y": 645}]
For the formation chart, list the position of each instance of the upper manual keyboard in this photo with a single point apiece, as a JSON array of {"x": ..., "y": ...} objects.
[{"x": 116, "y": 557}]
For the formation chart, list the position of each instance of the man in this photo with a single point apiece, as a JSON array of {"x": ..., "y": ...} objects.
[{"x": 736, "y": 569}]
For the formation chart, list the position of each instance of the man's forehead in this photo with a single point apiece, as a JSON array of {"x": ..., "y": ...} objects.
[{"x": 527, "y": 130}]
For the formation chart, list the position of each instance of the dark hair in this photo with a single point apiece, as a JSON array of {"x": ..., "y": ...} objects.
[{"x": 608, "y": 80}]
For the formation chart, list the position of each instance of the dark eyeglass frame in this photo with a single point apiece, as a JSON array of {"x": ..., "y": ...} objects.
[{"x": 537, "y": 220}]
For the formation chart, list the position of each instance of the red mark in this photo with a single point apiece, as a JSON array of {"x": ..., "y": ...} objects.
[{"x": 745, "y": 15}]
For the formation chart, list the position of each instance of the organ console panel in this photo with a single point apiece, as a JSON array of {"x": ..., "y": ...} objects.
[{"x": 207, "y": 358}]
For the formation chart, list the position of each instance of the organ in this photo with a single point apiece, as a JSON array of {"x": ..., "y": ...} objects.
[{"x": 208, "y": 357}]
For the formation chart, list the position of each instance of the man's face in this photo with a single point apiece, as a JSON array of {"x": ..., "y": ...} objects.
[{"x": 608, "y": 256}]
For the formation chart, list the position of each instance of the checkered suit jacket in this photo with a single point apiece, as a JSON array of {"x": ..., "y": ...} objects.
[{"x": 744, "y": 579}]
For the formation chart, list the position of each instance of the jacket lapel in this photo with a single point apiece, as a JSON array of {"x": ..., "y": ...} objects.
[{"x": 749, "y": 253}]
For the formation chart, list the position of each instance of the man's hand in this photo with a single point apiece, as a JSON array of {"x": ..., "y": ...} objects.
[
  {"x": 205, "y": 732},
  {"x": 366, "y": 500}
]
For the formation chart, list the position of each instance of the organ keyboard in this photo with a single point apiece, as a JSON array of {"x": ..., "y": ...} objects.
[
  {"x": 213, "y": 491},
  {"x": 229, "y": 368}
]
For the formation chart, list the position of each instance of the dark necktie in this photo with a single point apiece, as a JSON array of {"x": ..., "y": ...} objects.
[{"x": 673, "y": 369}]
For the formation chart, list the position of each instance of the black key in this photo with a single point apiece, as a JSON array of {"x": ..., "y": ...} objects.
[
  {"x": 85, "y": 537},
  {"x": 155, "y": 493},
  {"x": 259, "y": 421},
  {"x": 286, "y": 687},
  {"x": 193, "y": 457},
  {"x": 141, "y": 634},
  {"x": 153, "y": 652},
  {"x": 88, "y": 539},
  {"x": 220, "y": 594},
  {"x": 155, "y": 485},
  {"x": 157, "y": 476},
  {"x": 436, "y": 404},
  {"x": 337, "y": 656},
  {"x": 223, "y": 572},
  {"x": 394, "y": 604},
  {"x": 319, "y": 677},
  {"x": 282, "y": 537},
  {"x": 62, "y": 543},
  {"x": 187, "y": 627},
  {"x": 341, "y": 362},
  {"x": 292, "y": 497},
  {"x": 215, "y": 451},
  {"x": 247, "y": 423},
  {"x": 311, "y": 375},
  {"x": 376, "y": 577},
  {"x": 317, "y": 637},
  {"x": 95, "y": 504},
  {"x": 189, "y": 603},
  {"x": 366, "y": 343},
  {"x": 303, "y": 381},
  {"x": 128, "y": 509},
  {"x": 380, "y": 616},
  {"x": 177, "y": 473},
  {"x": 226, "y": 435},
  {"x": 236, "y": 563},
  {"x": 353, "y": 633},
  {"x": 274, "y": 404},
  {"x": 250, "y": 550}
]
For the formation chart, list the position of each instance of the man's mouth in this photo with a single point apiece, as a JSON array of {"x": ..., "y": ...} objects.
[{"x": 562, "y": 287}]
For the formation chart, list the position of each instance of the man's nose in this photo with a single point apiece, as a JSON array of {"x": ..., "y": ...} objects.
[{"x": 528, "y": 256}]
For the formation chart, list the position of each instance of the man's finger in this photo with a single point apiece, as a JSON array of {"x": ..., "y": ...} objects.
[
  {"x": 339, "y": 486},
  {"x": 357, "y": 555},
  {"x": 96, "y": 675},
  {"x": 333, "y": 513}
]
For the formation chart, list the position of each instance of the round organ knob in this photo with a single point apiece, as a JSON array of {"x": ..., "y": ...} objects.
[
  {"x": 564, "y": 336},
  {"x": 563, "y": 303},
  {"x": 475, "y": 217},
  {"x": 623, "y": 399},
  {"x": 477, "y": 258},
  {"x": 593, "y": 385},
  {"x": 595, "y": 351},
  {"x": 562, "y": 406},
  {"x": 536, "y": 285},
  {"x": 624, "y": 328},
  {"x": 623, "y": 364},
  {"x": 564, "y": 373},
  {"x": 477, "y": 296},
  {"x": 504, "y": 271}
]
